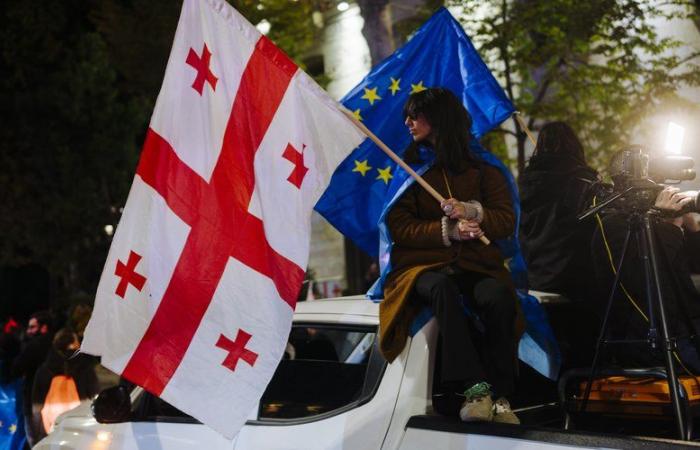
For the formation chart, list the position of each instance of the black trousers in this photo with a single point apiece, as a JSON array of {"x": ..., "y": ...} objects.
[{"x": 470, "y": 356}]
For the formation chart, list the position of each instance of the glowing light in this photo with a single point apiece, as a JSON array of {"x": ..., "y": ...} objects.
[
  {"x": 343, "y": 6},
  {"x": 263, "y": 26},
  {"x": 104, "y": 436},
  {"x": 109, "y": 230},
  {"x": 674, "y": 138}
]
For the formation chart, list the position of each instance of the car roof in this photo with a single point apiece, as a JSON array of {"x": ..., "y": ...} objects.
[{"x": 355, "y": 309}]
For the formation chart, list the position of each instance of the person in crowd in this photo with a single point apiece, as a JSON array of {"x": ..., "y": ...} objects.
[
  {"x": 556, "y": 186},
  {"x": 64, "y": 379},
  {"x": 35, "y": 347},
  {"x": 9, "y": 348},
  {"x": 438, "y": 260},
  {"x": 677, "y": 239},
  {"x": 78, "y": 318}
]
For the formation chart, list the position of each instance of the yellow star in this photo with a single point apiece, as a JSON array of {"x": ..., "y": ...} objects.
[
  {"x": 13, "y": 428},
  {"x": 362, "y": 167},
  {"x": 394, "y": 86},
  {"x": 417, "y": 87},
  {"x": 371, "y": 95},
  {"x": 385, "y": 174},
  {"x": 357, "y": 115}
]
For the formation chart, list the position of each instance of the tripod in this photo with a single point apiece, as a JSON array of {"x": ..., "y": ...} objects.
[{"x": 639, "y": 226}]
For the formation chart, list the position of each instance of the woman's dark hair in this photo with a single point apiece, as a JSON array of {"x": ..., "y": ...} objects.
[
  {"x": 63, "y": 340},
  {"x": 450, "y": 124},
  {"x": 559, "y": 138}
]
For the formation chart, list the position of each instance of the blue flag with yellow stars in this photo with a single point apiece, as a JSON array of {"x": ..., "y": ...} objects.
[{"x": 439, "y": 54}]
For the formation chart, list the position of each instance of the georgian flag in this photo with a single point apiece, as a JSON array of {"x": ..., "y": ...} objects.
[{"x": 196, "y": 297}]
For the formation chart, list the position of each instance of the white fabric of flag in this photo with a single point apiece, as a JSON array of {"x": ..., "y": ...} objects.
[{"x": 197, "y": 294}]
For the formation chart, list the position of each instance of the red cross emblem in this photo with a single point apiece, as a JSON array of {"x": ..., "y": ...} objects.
[
  {"x": 201, "y": 65},
  {"x": 236, "y": 350},
  {"x": 297, "y": 158},
  {"x": 128, "y": 275},
  {"x": 217, "y": 212}
]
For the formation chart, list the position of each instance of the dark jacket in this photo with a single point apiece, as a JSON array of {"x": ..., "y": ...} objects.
[
  {"x": 692, "y": 251},
  {"x": 26, "y": 364},
  {"x": 414, "y": 223},
  {"x": 9, "y": 349},
  {"x": 554, "y": 190}
]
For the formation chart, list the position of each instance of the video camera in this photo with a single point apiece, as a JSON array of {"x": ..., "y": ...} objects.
[{"x": 638, "y": 179}]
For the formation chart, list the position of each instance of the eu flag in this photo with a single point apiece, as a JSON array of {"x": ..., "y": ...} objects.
[{"x": 439, "y": 54}]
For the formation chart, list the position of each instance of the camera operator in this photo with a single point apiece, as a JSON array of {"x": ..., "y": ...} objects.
[
  {"x": 691, "y": 226},
  {"x": 677, "y": 243}
]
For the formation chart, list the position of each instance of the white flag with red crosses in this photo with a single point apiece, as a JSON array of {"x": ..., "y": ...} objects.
[{"x": 196, "y": 298}]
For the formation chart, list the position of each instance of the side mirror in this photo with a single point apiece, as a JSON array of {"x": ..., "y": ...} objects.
[{"x": 113, "y": 405}]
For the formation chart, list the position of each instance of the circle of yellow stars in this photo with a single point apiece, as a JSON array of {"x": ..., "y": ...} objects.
[{"x": 371, "y": 95}]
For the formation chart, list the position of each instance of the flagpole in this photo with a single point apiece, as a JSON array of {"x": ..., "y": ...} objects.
[
  {"x": 523, "y": 125},
  {"x": 436, "y": 195}
]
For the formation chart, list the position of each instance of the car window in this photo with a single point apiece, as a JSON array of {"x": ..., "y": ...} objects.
[{"x": 325, "y": 369}]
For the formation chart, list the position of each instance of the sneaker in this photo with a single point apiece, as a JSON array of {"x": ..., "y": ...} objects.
[
  {"x": 477, "y": 406},
  {"x": 503, "y": 414}
]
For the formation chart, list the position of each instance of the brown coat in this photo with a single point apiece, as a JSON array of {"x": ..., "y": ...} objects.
[{"x": 414, "y": 224}]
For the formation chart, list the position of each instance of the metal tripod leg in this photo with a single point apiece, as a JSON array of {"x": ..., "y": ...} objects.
[
  {"x": 669, "y": 345},
  {"x": 604, "y": 327}
]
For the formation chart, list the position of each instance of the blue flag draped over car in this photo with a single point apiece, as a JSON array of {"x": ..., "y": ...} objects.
[{"x": 367, "y": 182}]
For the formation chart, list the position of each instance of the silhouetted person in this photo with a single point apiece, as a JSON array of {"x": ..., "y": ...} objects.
[
  {"x": 36, "y": 345},
  {"x": 61, "y": 382},
  {"x": 555, "y": 187}
]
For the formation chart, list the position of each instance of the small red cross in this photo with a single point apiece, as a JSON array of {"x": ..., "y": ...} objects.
[
  {"x": 297, "y": 158},
  {"x": 236, "y": 350},
  {"x": 128, "y": 275},
  {"x": 201, "y": 65}
]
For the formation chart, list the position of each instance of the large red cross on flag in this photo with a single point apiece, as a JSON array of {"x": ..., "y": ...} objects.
[{"x": 197, "y": 294}]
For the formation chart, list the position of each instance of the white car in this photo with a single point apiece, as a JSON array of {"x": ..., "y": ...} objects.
[{"x": 333, "y": 390}]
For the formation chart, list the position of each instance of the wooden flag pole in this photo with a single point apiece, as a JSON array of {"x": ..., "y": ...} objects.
[
  {"x": 523, "y": 125},
  {"x": 436, "y": 195}
]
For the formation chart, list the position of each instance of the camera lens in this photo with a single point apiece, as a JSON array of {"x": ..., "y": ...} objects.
[{"x": 672, "y": 168}]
